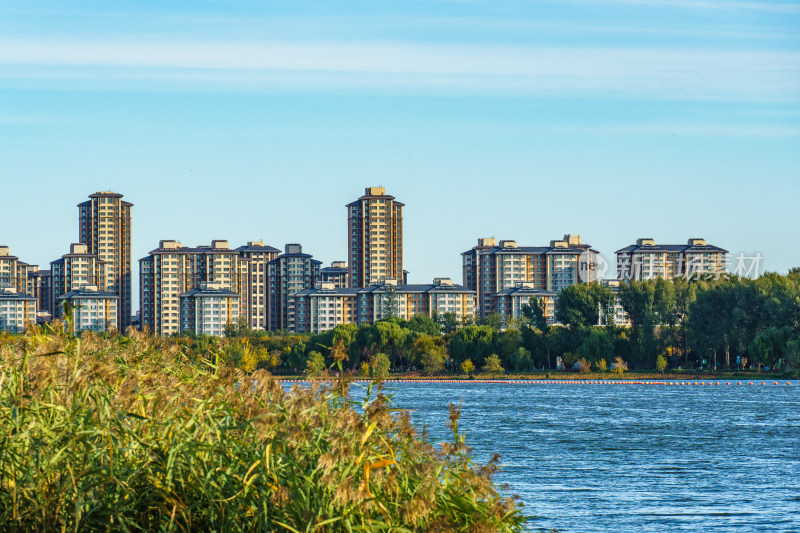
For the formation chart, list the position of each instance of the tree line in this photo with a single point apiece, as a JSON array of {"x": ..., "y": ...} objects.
[{"x": 725, "y": 323}]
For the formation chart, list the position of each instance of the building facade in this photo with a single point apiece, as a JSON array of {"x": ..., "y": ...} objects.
[
  {"x": 92, "y": 308},
  {"x": 287, "y": 275},
  {"x": 618, "y": 315},
  {"x": 13, "y": 272},
  {"x": 509, "y": 303},
  {"x": 374, "y": 238},
  {"x": 324, "y": 307},
  {"x": 17, "y": 309},
  {"x": 648, "y": 260},
  {"x": 209, "y": 308},
  {"x": 257, "y": 255},
  {"x": 73, "y": 271},
  {"x": 337, "y": 274},
  {"x": 105, "y": 228},
  {"x": 173, "y": 269},
  {"x": 40, "y": 287},
  {"x": 491, "y": 268}
]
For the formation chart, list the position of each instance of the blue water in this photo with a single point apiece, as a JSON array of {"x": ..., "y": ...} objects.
[{"x": 588, "y": 458}]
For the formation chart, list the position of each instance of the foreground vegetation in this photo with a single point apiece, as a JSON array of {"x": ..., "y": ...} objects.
[
  {"x": 139, "y": 433},
  {"x": 731, "y": 323}
]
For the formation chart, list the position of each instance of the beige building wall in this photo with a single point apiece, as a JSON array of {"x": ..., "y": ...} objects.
[
  {"x": 374, "y": 238},
  {"x": 17, "y": 309},
  {"x": 105, "y": 227},
  {"x": 173, "y": 269}
]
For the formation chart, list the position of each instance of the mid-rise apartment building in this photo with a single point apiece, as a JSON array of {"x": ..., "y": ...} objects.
[
  {"x": 207, "y": 309},
  {"x": 92, "y": 308},
  {"x": 374, "y": 238},
  {"x": 491, "y": 268},
  {"x": 509, "y": 303},
  {"x": 337, "y": 274},
  {"x": 73, "y": 271},
  {"x": 257, "y": 255},
  {"x": 324, "y": 307},
  {"x": 17, "y": 309},
  {"x": 288, "y": 274},
  {"x": 618, "y": 315},
  {"x": 105, "y": 228},
  {"x": 648, "y": 260},
  {"x": 173, "y": 269},
  {"x": 13, "y": 272}
]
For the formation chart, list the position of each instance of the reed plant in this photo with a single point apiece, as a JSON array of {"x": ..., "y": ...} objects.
[{"x": 130, "y": 433}]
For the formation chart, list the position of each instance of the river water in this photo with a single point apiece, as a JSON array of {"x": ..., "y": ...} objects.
[{"x": 590, "y": 458}]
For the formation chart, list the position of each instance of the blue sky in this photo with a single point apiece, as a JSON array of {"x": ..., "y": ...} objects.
[{"x": 613, "y": 119}]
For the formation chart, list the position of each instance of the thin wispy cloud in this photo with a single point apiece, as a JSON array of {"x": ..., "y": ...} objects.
[
  {"x": 774, "y": 7},
  {"x": 670, "y": 73}
]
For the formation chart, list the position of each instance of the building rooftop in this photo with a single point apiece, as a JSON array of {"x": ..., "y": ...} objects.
[
  {"x": 650, "y": 246},
  {"x": 525, "y": 290},
  {"x": 209, "y": 291},
  {"x": 10, "y": 293},
  {"x": 570, "y": 244},
  {"x": 88, "y": 291},
  {"x": 257, "y": 246}
]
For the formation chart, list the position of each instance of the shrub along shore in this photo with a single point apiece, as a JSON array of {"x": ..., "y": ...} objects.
[{"x": 138, "y": 433}]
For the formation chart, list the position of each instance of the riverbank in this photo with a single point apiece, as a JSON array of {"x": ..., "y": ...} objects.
[{"x": 559, "y": 376}]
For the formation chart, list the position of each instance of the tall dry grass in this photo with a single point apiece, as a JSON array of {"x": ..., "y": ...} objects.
[{"x": 131, "y": 434}]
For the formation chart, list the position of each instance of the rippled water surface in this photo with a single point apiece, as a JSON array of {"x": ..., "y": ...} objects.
[{"x": 632, "y": 457}]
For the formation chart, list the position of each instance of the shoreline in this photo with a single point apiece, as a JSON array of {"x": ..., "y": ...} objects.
[{"x": 644, "y": 378}]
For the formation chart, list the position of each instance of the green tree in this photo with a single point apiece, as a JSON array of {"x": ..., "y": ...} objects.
[
  {"x": 661, "y": 363},
  {"x": 389, "y": 301},
  {"x": 522, "y": 360},
  {"x": 467, "y": 367},
  {"x": 492, "y": 365},
  {"x": 380, "y": 365},
  {"x": 494, "y": 321},
  {"x": 424, "y": 324},
  {"x": 316, "y": 364},
  {"x": 429, "y": 354},
  {"x": 471, "y": 342},
  {"x": 535, "y": 331},
  {"x": 448, "y": 322}
]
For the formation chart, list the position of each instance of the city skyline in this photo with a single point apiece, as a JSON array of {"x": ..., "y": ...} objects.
[{"x": 260, "y": 121}]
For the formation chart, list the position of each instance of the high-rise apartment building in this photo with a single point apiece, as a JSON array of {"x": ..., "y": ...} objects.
[
  {"x": 491, "y": 268},
  {"x": 257, "y": 254},
  {"x": 41, "y": 288},
  {"x": 288, "y": 274},
  {"x": 105, "y": 227},
  {"x": 173, "y": 269},
  {"x": 648, "y": 260},
  {"x": 73, "y": 271},
  {"x": 374, "y": 238}
]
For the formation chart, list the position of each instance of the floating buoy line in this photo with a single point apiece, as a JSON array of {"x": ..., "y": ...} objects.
[{"x": 551, "y": 382}]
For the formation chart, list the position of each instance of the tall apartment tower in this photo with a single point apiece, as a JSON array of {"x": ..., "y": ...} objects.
[
  {"x": 375, "y": 238},
  {"x": 288, "y": 274},
  {"x": 105, "y": 227}
]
